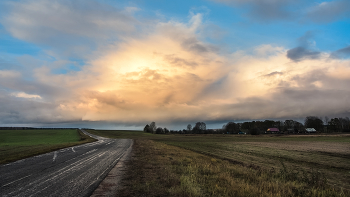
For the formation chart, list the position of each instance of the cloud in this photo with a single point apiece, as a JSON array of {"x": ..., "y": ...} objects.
[
  {"x": 70, "y": 28},
  {"x": 24, "y": 110},
  {"x": 128, "y": 89},
  {"x": 326, "y": 12},
  {"x": 341, "y": 53},
  {"x": 305, "y": 50},
  {"x": 25, "y": 95},
  {"x": 178, "y": 61},
  {"x": 265, "y": 10},
  {"x": 299, "y": 11},
  {"x": 5, "y": 74},
  {"x": 274, "y": 74},
  {"x": 293, "y": 103},
  {"x": 13, "y": 80},
  {"x": 301, "y": 53},
  {"x": 170, "y": 74}
]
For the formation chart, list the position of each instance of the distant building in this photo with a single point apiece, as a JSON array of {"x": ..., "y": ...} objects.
[
  {"x": 310, "y": 130},
  {"x": 272, "y": 130}
]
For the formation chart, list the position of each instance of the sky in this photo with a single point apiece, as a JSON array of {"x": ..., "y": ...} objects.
[{"x": 122, "y": 64}]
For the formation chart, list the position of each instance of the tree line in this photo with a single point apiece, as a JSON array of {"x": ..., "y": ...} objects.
[{"x": 325, "y": 125}]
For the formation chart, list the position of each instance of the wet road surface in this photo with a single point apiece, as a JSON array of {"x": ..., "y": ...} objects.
[{"x": 74, "y": 171}]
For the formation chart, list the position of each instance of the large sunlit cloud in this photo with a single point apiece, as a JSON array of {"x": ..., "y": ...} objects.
[{"x": 166, "y": 73}]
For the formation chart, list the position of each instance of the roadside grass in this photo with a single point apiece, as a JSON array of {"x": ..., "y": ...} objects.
[
  {"x": 158, "y": 169},
  {"x": 299, "y": 159},
  {"x": 20, "y": 144}
]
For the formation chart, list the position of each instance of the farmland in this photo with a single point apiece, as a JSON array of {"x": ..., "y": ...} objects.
[
  {"x": 241, "y": 165},
  {"x": 329, "y": 155},
  {"x": 19, "y": 144}
]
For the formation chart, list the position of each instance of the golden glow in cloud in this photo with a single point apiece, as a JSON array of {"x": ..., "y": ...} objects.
[{"x": 171, "y": 75}]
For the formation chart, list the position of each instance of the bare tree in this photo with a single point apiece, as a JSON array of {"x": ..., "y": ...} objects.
[
  {"x": 326, "y": 120},
  {"x": 152, "y": 127},
  {"x": 203, "y": 126},
  {"x": 189, "y": 127},
  {"x": 288, "y": 124},
  {"x": 146, "y": 129},
  {"x": 334, "y": 125},
  {"x": 166, "y": 131},
  {"x": 199, "y": 127}
]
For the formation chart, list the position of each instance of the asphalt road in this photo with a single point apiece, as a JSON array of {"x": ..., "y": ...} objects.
[{"x": 74, "y": 171}]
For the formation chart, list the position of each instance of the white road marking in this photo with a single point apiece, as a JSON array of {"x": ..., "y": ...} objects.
[
  {"x": 16, "y": 180},
  {"x": 54, "y": 156},
  {"x": 72, "y": 167},
  {"x": 73, "y": 149},
  {"x": 91, "y": 151},
  {"x": 39, "y": 191}
]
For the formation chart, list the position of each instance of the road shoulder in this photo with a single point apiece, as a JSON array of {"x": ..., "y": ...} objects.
[{"x": 111, "y": 184}]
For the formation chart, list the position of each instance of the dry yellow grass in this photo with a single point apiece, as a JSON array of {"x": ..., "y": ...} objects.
[
  {"x": 162, "y": 170},
  {"x": 314, "y": 165}
]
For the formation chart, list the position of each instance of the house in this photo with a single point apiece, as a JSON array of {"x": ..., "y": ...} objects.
[
  {"x": 310, "y": 130},
  {"x": 272, "y": 130}
]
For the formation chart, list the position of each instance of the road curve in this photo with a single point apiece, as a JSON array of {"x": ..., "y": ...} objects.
[{"x": 74, "y": 171}]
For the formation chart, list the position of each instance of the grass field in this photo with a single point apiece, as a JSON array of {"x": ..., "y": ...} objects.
[
  {"x": 19, "y": 144},
  {"x": 124, "y": 134},
  {"x": 329, "y": 155},
  {"x": 238, "y": 165}
]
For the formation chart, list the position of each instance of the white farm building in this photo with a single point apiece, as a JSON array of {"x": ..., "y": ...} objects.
[{"x": 310, "y": 130}]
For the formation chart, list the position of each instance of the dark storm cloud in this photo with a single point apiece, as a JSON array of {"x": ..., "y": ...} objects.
[{"x": 329, "y": 11}]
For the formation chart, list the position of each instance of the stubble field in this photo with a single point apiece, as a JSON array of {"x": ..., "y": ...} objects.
[
  {"x": 238, "y": 165},
  {"x": 328, "y": 155}
]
